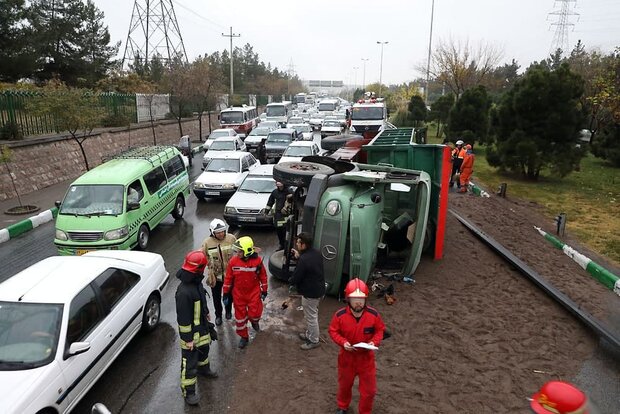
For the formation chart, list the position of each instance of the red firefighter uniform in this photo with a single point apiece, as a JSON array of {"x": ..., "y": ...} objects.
[
  {"x": 467, "y": 168},
  {"x": 246, "y": 279},
  {"x": 344, "y": 327}
]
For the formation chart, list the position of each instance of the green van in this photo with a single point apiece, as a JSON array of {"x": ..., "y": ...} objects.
[{"x": 117, "y": 204}]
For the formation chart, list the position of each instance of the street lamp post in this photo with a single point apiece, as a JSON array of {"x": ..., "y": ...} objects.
[
  {"x": 364, "y": 78},
  {"x": 355, "y": 68},
  {"x": 381, "y": 66},
  {"x": 428, "y": 62}
]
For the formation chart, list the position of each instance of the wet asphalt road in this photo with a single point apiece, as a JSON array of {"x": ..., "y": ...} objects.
[{"x": 145, "y": 377}]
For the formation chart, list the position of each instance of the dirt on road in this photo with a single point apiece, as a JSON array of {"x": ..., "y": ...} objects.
[{"x": 471, "y": 335}]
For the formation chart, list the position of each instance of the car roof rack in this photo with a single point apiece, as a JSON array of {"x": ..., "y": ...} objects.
[{"x": 151, "y": 154}]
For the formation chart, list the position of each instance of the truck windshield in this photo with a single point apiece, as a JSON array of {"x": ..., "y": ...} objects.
[
  {"x": 367, "y": 113},
  {"x": 232, "y": 117},
  {"x": 93, "y": 200},
  {"x": 29, "y": 334},
  {"x": 275, "y": 111}
]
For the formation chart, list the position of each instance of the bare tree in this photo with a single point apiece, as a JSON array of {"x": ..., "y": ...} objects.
[{"x": 461, "y": 65}]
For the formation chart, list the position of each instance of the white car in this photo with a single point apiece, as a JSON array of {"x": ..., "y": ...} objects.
[
  {"x": 294, "y": 121},
  {"x": 65, "y": 319},
  {"x": 305, "y": 131},
  {"x": 218, "y": 133},
  {"x": 299, "y": 149},
  {"x": 331, "y": 127},
  {"x": 223, "y": 144},
  {"x": 256, "y": 136},
  {"x": 224, "y": 174},
  {"x": 248, "y": 205},
  {"x": 316, "y": 120}
]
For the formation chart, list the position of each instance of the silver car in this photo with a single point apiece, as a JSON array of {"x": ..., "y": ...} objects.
[{"x": 248, "y": 205}]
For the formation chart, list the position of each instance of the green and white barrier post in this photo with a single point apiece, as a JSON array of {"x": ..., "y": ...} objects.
[
  {"x": 477, "y": 190},
  {"x": 23, "y": 226},
  {"x": 607, "y": 278}
]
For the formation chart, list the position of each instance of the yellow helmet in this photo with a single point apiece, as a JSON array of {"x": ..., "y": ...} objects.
[{"x": 246, "y": 245}]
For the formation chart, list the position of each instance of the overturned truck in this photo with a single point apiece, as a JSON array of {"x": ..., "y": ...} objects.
[{"x": 366, "y": 216}]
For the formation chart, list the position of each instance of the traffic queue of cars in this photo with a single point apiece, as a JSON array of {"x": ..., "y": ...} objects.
[{"x": 64, "y": 320}]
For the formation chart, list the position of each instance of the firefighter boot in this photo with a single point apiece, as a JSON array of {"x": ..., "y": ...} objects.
[
  {"x": 341, "y": 411},
  {"x": 207, "y": 372},
  {"x": 192, "y": 399},
  {"x": 243, "y": 342},
  {"x": 256, "y": 326}
]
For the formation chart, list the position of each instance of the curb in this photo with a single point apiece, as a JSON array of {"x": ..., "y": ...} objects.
[
  {"x": 478, "y": 191},
  {"x": 598, "y": 272},
  {"x": 28, "y": 224}
]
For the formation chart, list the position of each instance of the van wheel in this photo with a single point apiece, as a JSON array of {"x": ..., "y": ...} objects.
[
  {"x": 179, "y": 208},
  {"x": 299, "y": 173},
  {"x": 152, "y": 313},
  {"x": 143, "y": 237}
]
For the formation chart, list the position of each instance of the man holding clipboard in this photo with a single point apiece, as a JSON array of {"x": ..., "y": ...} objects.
[{"x": 358, "y": 330}]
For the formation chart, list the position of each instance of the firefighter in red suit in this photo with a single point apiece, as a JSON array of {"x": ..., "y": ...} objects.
[
  {"x": 351, "y": 325},
  {"x": 246, "y": 281}
]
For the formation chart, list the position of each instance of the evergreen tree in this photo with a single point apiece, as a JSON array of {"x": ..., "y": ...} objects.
[
  {"x": 470, "y": 113},
  {"x": 417, "y": 110},
  {"x": 440, "y": 110},
  {"x": 538, "y": 121},
  {"x": 17, "y": 58}
]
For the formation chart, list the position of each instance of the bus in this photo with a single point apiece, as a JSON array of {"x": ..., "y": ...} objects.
[
  {"x": 279, "y": 112},
  {"x": 240, "y": 118},
  {"x": 300, "y": 98},
  {"x": 328, "y": 105}
]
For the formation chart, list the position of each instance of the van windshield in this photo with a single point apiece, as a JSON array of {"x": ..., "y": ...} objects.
[
  {"x": 93, "y": 200},
  {"x": 275, "y": 111}
]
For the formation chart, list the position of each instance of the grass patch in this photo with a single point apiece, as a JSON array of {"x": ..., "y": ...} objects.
[{"x": 589, "y": 197}]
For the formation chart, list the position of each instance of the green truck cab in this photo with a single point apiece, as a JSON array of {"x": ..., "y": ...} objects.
[
  {"x": 117, "y": 204},
  {"x": 365, "y": 217}
]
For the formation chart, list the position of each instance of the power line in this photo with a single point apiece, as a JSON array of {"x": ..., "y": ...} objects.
[{"x": 198, "y": 15}]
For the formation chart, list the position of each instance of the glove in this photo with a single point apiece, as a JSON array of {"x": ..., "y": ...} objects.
[
  {"x": 226, "y": 299},
  {"x": 263, "y": 295},
  {"x": 212, "y": 331}
]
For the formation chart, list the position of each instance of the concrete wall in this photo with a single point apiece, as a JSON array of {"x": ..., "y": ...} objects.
[{"x": 43, "y": 161}]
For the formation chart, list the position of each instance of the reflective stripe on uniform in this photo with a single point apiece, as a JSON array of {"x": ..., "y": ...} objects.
[
  {"x": 203, "y": 363},
  {"x": 244, "y": 269},
  {"x": 197, "y": 310},
  {"x": 184, "y": 381},
  {"x": 185, "y": 328},
  {"x": 202, "y": 340},
  {"x": 241, "y": 320}
]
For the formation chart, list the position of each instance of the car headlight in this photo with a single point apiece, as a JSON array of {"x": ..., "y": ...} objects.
[
  {"x": 116, "y": 234},
  {"x": 230, "y": 210},
  {"x": 61, "y": 235},
  {"x": 228, "y": 186},
  {"x": 333, "y": 207},
  {"x": 199, "y": 185},
  {"x": 352, "y": 128}
]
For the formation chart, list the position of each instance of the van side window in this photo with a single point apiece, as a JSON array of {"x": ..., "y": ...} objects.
[
  {"x": 174, "y": 167},
  {"x": 135, "y": 192},
  {"x": 84, "y": 315},
  {"x": 114, "y": 284},
  {"x": 155, "y": 180}
]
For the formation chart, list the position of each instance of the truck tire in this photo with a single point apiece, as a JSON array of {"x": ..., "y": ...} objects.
[
  {"x": 338, "y": 165},
  {"x": 299, "y": 173},
  {"x": 276, "y": 261},
  {"x": 337, "y": 141}
]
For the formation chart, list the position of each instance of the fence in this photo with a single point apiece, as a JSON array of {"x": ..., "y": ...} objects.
[{"x": 15, "y": 116}]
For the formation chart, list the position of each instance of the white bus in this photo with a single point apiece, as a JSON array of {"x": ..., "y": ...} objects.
[
  {"x": 242, "y": 119},
  {"x": 279, "y": 112}
]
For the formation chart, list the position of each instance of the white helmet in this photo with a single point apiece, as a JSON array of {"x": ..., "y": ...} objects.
[
  {"x": 459, "y": 142},
  {"x": 217, "y": 226}
]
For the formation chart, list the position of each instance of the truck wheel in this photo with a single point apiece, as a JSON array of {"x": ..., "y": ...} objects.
[
  {"x": 179, "y": 208},
  {"x": 276, "y": 262},
  {"x": 337, "y": 141},
  {"x": 143, "y": 237},
  {"x": 299, "y": 173}
]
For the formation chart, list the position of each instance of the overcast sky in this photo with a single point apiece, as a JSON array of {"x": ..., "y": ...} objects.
[{"x": 325, "y": 40}]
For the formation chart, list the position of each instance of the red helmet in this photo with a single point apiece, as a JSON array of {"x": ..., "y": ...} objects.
[
  {"x": 559, "y": 397},
  {"x": 356, "y": 289},
  {"x": 195, "y": 261}
]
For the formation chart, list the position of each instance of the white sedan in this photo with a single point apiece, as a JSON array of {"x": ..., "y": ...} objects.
[
  {"x": 223, "y": 144},
  {"x": 218, "y": 133},
  {"x": 65, "y": 319},
  {"x": 224, "y": 173},
  {"x": 299, "y": 149}
]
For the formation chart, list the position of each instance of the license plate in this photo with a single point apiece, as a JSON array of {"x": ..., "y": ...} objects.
[
  {"x": 213, "y": 193},
  {"x": 80, "y": 252},
  {"x": 247, "y": 219}
]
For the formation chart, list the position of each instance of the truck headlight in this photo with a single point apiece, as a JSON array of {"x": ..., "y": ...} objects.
[
  {"x": 116, "y": 234},
  {"x": 230, "y": 210},
  {"x": 333, "y": 207},
  {"x": 61, "y": 235}
]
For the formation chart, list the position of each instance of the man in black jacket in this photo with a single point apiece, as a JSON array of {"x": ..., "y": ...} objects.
[
  {"x": 193, "y": 319},
  {"x": 309, "y": 279}
]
